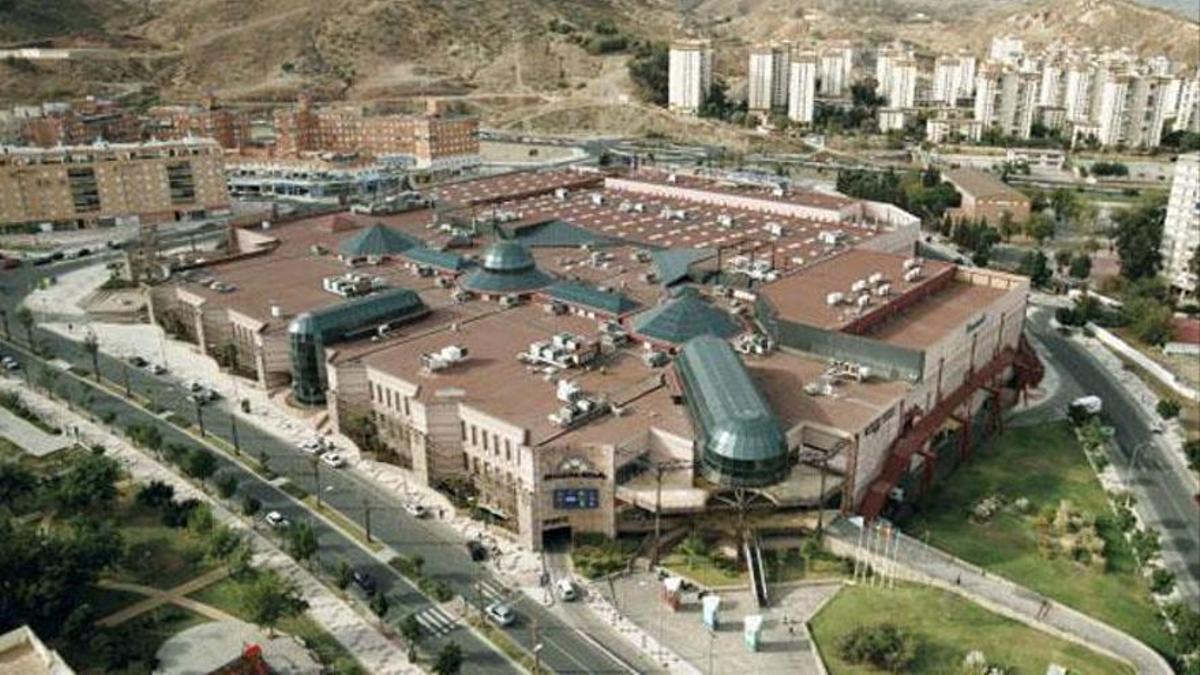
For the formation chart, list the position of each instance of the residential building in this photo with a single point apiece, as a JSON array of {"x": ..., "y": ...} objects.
[
  {"x": 84, "y": 186},
  {"x": 1005, "y": 100},
  {"x": 902, "y": 87},
  {"x": 89, "y": 121},
  {"x": 689, "y": 75},
  {"x": 834, "y": 71},
  {"x": 1076, "y": 99},
  {"x": 22, "y": 652},
  {"x": 945, "y": 127},
  {"x": 1181, "y": 228},
  {"x": 803, "y": 88},
  {"x": 769, "y": 74},
  {"x": 966, "y": 76},
  {"x": 946, "y": 85},
  {"x": 1187, "y": 113}
]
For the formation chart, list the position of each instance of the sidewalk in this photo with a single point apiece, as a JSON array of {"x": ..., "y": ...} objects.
[
  {"x": 175, "y": 596},
  {"x": 376, "y": 652},
  {"x": 925, "y": 564}
]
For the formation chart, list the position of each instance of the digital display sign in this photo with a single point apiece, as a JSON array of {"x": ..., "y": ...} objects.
[{"x": 577, "y": 498}]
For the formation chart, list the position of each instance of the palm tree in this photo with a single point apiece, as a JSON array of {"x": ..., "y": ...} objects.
[
  {"x": 25, "y": 318},
  {"x": 47, "y": 377},
  {"x": 410, "y": 629},
  {"x": 91, "y": 344}
]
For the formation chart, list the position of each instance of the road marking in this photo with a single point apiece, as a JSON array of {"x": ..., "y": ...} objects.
[{"x": 435, "y": 621}]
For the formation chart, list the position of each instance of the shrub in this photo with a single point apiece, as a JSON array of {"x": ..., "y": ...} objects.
[
  {"x": 227, "y": 484},
  {"x": 1162, "y": 581},
  {"x": 1168, "y": 408},
  {"x": 1192, "y": 450},
  {"x": 250, "y": 506},
  {"x": 882, "y": 645}
]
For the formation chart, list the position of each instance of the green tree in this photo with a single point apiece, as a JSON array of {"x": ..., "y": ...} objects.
[
  {"x": 1037, "y": 268},
  {"x": 343, "y": 575},
  {"x": 1040, "y": 228},
  {"x": 1191, "y": 449},
  {"x": 223, "y": 542},
  {"x": 200, "y": 520},
  {"x": 155, "y": 495},
  {"x": 410, "y": 630},
  {"x": 25, "y": 318},
  {"x": 1081, "y": 266},
  {"x": 649, "y": 69},
  {"x": 250, "y": 506},
  {"x": 200, "y": 464},
  {"x": 1168, "y": 408},
  {"x": 227, "y": 484},
  {"x": 691, "y": 548},
  {"x": 16, "y": 483},
  {"x": 301, "y": 540},
  {"x": 270, "y": 599},
  {"x": 91, "y": 345},
  {"x": 1151, "y": 320},
  {"x": 1066, "y": 205},
  {"x": 1138, "y": 238},
  {"x": 449, "y": 659},
  {"x": 90, "y": 480},
  {"x": 380, "y": 604}
]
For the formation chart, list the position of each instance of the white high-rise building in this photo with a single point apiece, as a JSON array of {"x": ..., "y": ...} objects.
[
  {"x": 966, "y": 77},
  {"x": 1187, "y": 112},
  {"x": 1050, "y": 87},
  {"x": 770, "y": 66},
  {"x": 1181, "y": 229},
  {"x": 690, "y": 75},
  {"x": 803, "y": 88},
  {"x": 1145, "y": 111},
  {"x": 946, "y": 84},
  {"x": 831, "y": 71},
  {"x": 1005, "y": 100},
  {"x": 1077, "y": 93},
  {"x": 885, "y": 60},
  {"x": 1110, "y": 118},
  {"x": 902, "y": 88}
]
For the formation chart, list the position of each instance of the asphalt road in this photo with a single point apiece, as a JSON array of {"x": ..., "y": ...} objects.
[
  {"x": 1170, "y": 496},
  {"x": 443, "y": 549}
]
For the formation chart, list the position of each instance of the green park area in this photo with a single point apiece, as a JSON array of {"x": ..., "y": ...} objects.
[
  {"x": 917, "y": 629},
  {"x": 1002, "y": 512}
]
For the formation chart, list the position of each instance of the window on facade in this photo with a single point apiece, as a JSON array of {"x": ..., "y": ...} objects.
[
  {"x": 474, "y": 439},
  {"x": 462, "y": 427},
  {"x": 485, "y": 440}
]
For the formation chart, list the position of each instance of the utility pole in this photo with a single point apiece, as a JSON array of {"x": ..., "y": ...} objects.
[
  {"x": 200, "y": 415},
  {"x": 317, "y": 480},
  {"x": 237, "y": 446},
  {"x": 128, "y": 386},
  {"x": 367, "y": 518},
  {"x": 537, "y": 647},
  {"x": 658, "y": 472}
]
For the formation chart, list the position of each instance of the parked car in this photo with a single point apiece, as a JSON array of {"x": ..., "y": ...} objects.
[
  {"x": 312, "y": 446},
  {"x": 333, "y": 460},
  {"x": 500, "y": 614},
  {"x": 566, "y": 590},
  {"x": 10, "y": 364},
  {"x": 416, "y": 510},
  {"x": 193, "y": 386},
  {"x": 138, "y": 362},
  {"x": 364, "y": 581},
  {"x": 477, "y": 550},
  {"x": 156, "y": 369},
  {"x": 276, "y": 519}
]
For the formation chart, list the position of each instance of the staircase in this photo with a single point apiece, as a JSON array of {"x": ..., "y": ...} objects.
[
  {"x": 912, "y": 442},
  {"x": 758, "y": 575}
]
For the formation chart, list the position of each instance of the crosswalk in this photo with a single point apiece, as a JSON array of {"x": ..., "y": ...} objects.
[
  {"x": 492, "y": 592},
  {"x": 436, "y": 621}
]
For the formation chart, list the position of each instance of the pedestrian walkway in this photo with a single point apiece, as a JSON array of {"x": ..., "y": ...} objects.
[
  {"x": 436, "y": 621},
  {"x": 926, "y": 564},
  {"x": 28, "y": 437},
  {"x": 157, "y": 597}
]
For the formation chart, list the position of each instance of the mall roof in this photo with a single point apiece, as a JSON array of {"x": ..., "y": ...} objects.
[
  {"x": 581, "y": 294},
  {"x": 443, "y": 260},
  {"x": 336, "y": 321},
  {"x": 684, "y": 317},
  {"x": 377, "y": 240},
  {"x": 507, "y": 268},
  {"x": 743, "y": 442},
  {"x": 673, "y": 264},
  {"x": 556, "y": 233}
]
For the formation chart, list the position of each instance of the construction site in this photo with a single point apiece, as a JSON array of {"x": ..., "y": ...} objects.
[{"x": 640, "y": 351}]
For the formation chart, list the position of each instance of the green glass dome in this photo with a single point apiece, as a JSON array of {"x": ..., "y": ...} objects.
[{"x": 508, "y": 256}]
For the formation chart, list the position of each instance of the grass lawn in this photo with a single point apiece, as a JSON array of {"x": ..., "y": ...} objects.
[
  {"x": 107, "y": 601},
  {"x": 948, "y": 627},
  {"x": 156, "y": 555},
  {"x": 227, "y": 595},
  {"x": 1045, "y": 464}
]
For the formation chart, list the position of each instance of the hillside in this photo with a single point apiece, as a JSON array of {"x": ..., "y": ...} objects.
[{"x": 521, "y": 63}]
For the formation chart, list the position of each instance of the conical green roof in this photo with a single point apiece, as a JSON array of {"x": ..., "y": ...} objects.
[
  {"x": 684, "y": 317},
  {"x": 672, "y": 264},
  {"x": 507, "y": 268},
  {"x": 376, "y": 241},
  {"x": 507, "y": 256}
]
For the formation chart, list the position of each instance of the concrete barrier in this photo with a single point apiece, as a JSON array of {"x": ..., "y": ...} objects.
[{"x": 1157, "y": 371}]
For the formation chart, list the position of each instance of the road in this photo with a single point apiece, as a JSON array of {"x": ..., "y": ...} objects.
[
  {"x": 443, "y": 549},
  {"x": 1172, "y": 507}
]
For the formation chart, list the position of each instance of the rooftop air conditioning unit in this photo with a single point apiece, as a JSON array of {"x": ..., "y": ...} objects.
[
  {"x": 597, "y": 199},
  {"x": 775, "y": 229},
  {"x": 863, "y": 300},
  {"x": 859, "y": 286},
  {"x": 834, "y": 298},
  {"x": 883, "y": 290},
  {"x": 639, "y": 207},
  {"x": 444, "y": 358},
  {"x": 912, "y": 274},
  {"x": 911, "y": 263},
  {"x": 276, "y": 312},
  {"x": 672, "y": 178},
  {"x": 560, "y": 194},
  {"x": 875, "y": 279}
]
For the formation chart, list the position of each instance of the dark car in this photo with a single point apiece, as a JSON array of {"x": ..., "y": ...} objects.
[
  {"x": 137, "y": 362},
  {"x": 364, "y": 581},
  {"x": 477, "y": 550}
]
